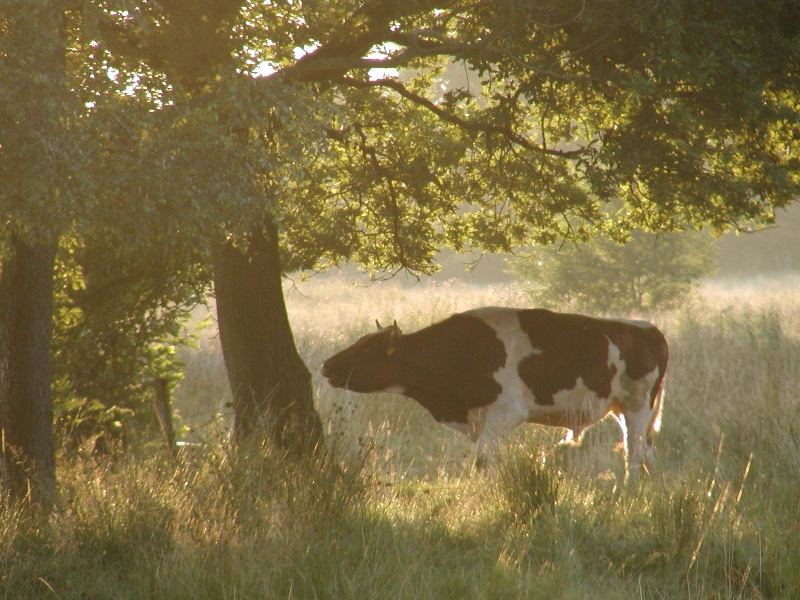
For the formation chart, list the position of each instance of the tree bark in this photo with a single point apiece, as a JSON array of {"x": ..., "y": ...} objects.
[
  {"x": 26, "y": 408},
  {"x": 163, "y": 408},
  {"x": 271, "y": 385}
]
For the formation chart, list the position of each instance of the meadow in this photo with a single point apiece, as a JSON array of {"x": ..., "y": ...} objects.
[{"x": 392, "y": 510}]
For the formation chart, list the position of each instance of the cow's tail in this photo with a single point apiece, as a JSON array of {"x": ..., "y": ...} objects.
[
  {"x": 657, "y": 398},
  {"x": 658, "y": 404}
]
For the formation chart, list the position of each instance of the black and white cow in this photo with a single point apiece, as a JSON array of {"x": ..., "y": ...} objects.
[{"x": 485, "y": 371}]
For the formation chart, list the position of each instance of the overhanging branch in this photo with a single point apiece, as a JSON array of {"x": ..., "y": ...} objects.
[
  {"x": 323, "y": 64},
  {"x": 468, "y": 125}
]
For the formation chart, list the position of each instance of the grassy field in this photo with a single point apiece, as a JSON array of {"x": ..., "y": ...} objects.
[{"x": 392, "y": 512}]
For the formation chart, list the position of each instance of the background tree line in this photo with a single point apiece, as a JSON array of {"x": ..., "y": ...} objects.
[{"x": 152, "y": 153}]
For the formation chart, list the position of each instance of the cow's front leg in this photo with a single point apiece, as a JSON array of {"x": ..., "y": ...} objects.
[
  {"x": 493, "y": 424},
  {"x": 487, "y": 447}
]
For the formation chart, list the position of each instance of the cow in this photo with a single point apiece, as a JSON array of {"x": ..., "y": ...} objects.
[{"x": 487, "y": 370}]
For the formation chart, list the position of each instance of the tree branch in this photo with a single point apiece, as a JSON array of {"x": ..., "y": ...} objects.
[
  {"x": 325, "y": 64},
  {"x": 445, "y": 115}
]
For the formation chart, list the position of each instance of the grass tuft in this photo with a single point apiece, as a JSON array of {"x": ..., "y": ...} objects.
[{"x": 525, "y": 486}]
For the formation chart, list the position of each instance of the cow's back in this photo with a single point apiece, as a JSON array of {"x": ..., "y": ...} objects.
[{"x": 551, "y": 352}]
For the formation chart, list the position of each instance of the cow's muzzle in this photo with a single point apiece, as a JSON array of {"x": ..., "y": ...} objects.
[{"x": 328, "y": 371}]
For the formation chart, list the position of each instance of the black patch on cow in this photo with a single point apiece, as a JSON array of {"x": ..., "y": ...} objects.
[
  {"x": 571, "y": 346},
  {"x": 574, "y": 346},
  {"x": 449, "y": 366}
]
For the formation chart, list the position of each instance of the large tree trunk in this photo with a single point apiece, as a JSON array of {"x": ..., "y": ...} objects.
[
  {"x": 26, "y": 409},
  {"x": 271, "y": 385}
]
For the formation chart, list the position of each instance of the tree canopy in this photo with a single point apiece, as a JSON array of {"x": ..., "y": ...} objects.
[
  {"x": 678, "y": 112},
  {"x": 685, "y": 111}
]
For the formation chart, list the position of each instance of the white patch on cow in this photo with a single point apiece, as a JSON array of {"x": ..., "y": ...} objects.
[
  {"x": 634, "y": 398},
  {"x": 575, "y": 408},
  {"x": 613, "y": 354},
  {"x": 582, "y": 402},
  {"x": 512, "y": 405},
  {"x": 615, "y": 362},
  {"x": 650, "y": 379}
]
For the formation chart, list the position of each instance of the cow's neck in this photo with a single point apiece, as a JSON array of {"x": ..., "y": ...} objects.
[
  {"x": 418, "y": 374},
  {"x": 423, "y": 379}
]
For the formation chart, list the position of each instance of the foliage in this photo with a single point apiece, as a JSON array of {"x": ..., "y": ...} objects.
[
  {"x": 553, "y": 131},
  {"x": 651, "y": 271},
  {"x": 44, "y": 146}
]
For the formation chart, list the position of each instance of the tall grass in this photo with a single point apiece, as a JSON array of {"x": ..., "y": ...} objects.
[{"x": 390, "y": 510}]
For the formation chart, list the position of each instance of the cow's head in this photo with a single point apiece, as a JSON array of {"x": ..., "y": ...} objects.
[{"x": 367, "y": 365}]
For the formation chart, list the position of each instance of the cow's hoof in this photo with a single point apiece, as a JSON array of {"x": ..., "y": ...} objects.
[{"x": 481, "y": 464}]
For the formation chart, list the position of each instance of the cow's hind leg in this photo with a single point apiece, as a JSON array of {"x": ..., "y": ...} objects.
[
  {"x": 635, "y": 404},
  {"x": 638, "y": 442},
  {"x": 572, "y": 437}
]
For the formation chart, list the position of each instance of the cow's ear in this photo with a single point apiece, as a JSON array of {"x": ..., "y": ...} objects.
[{"x": 378, "y": 323}]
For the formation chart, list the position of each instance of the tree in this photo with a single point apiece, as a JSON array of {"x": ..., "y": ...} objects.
[
  {"x": 67, "y": 172},
  {"x": 649, "y": 271},
  {"x": 217, "y": 148},
  {"x": 684, "y": 111},
  {"x": 37, "y": 158}
]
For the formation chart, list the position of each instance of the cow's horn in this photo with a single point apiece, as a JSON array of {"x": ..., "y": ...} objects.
[
  {"x": 396, "y": 330},
  {"x": 378, "y": 323}
]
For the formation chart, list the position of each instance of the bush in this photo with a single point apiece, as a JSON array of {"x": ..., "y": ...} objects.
[
  {"x": 650, "y": 271},
  {"x": 116, "y": 328}
]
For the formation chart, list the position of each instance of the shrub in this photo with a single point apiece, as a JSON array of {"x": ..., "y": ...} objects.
[
  {"x": 116, "y": 327},
  {"x": 650, "y": 271}
]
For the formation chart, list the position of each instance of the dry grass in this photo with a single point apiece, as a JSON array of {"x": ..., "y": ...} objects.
[{"x": 392, "y": 513}]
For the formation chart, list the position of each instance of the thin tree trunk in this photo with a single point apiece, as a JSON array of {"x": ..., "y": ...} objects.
[
  {"x": 26, "y": 408},
  {"x": 271, "y": 385},
  {"x": 163, "y": 408}
]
